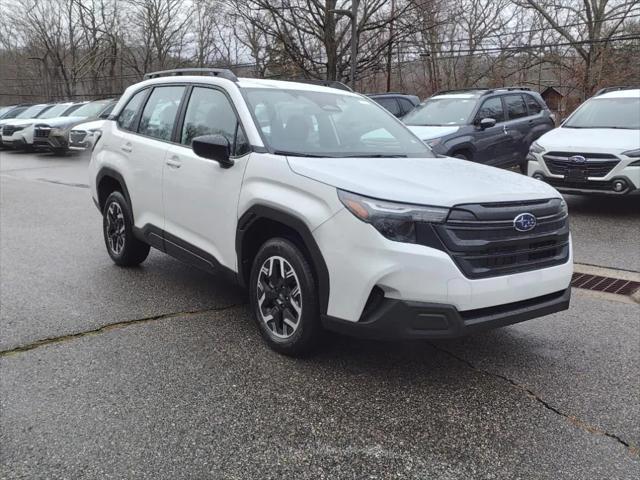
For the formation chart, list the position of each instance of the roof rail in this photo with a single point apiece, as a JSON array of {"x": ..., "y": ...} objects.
[
  {"x": 213, "y": 72},
  {"x": 615, "y": 89},
  {"x": 323, "y": 83},
  {"x": 483, "y": 90}
]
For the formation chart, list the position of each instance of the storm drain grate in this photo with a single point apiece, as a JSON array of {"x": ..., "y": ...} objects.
[{"x": 604, "y": 284}]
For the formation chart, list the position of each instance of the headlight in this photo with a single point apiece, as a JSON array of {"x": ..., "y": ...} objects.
[
  {"x": 395, "y": 221},
  {"x": 632, "y": 153},
  {"x": 536, "y": 148},
  {"x": 563, "y": 207}
]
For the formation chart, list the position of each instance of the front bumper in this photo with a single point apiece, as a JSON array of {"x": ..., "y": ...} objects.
[
  {"x": 605, "y": 185},
  {"x": 404, "y": 320},
  {"x": 360, "y": 259}
]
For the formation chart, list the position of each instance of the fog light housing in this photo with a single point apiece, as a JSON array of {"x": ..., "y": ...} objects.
[{"x": 619, "y": 185}]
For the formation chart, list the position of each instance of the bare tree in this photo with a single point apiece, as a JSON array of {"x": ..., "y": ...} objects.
[{"x": 588, "y": 26}]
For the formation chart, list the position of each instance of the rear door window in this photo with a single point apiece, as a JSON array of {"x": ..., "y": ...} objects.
[
  {"x": 516, "y": 107},
  {"x": 159, "y": 114},
  {"x": 128, "y": 115},
  {"x": 390, "y": 104},
  {"x": 406, "y": 105},
  {"x": 533, "y": 105}
]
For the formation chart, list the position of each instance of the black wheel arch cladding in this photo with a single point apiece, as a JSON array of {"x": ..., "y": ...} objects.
[{"x": 291, "y": 222}]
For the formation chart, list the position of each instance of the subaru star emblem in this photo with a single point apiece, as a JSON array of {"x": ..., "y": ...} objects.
[
  {"x": 578, "y": 159},
  {"x": 524, "y": 222}
]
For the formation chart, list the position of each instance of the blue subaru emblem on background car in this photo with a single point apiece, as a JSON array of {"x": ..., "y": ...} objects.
[
  {"x": 578, "y": 159},
  {"x": 524, "y": 222}
]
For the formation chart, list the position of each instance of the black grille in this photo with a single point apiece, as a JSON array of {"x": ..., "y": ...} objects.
[
  {"x": 482, "y": 239},
  {"x": 9, "y": 130},
  {"x": 596, "y": 165},
  {"x": 41, "y": 132}
]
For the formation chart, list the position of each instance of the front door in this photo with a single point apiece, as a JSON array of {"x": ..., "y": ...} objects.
[
  {"x": 201, "y": 197},
  {"x": 493, "y": 144}
]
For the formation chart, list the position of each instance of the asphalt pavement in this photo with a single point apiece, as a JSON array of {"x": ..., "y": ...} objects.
[{"x": 159, "y": 372}]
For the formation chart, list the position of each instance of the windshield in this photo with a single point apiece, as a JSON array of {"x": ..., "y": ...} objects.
[
  {"x": 326, "y": 124},
  {"x": 607, "y": 113},
  {"x": 442, "y": 111},
  {"x": 32, "y": 112},
  {"x": 55, "y": 111},
  {"x": 4, "y": 110},
  {"x": 92, "y": 109}
]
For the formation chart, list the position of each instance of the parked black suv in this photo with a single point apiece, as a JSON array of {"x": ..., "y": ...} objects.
[
  {"x": 397, "y": 103},
  {"x": 491, "y": 126}
]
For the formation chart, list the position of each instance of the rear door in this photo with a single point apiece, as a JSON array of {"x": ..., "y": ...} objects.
[
  {"x": 539, "y": 120},
  {"x": 493, "y": 145},
  {"x": 143, "y": 137},
  {"x": 201, "y": 197},
  {"x": 517, "y": 126}
]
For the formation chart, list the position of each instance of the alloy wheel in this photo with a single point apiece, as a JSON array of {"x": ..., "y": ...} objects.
[
  {"x": 115, "y": 228},
  {"x": 279, "y": 297}
]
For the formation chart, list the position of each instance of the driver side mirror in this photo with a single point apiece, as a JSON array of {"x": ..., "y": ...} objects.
[
  {"x": 487, "y": 123},
  {"x": 213, "y": 147}
]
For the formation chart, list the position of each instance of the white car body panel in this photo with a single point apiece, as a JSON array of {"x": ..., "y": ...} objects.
[{"x": 411, "y": 180}]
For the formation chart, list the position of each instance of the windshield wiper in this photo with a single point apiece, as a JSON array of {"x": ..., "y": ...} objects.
[{"x": 299, "y": 154}]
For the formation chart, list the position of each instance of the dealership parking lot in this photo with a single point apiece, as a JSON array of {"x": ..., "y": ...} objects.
[{"x": 159, "y": 372}]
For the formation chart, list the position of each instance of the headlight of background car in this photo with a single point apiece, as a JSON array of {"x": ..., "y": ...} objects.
[
  {"x": 536, "y": 148},
  {"x": 395, "y": 221},
  {"x": 433, "y": 142}
]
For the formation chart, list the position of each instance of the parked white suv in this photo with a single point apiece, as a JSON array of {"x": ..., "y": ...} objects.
[
  {"x": 596, "y": 150},
  {"x": 328, "y": 208}
]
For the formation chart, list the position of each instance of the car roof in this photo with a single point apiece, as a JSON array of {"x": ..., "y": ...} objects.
[{"x": 631, "y": 93}]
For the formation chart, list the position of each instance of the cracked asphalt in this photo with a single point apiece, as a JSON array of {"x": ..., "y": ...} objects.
[{"x": 159, "y": 372}]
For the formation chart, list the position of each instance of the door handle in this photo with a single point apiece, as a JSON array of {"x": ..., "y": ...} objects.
[
  {"x": 174, "y": 162},
  {"x": 505, "y": 130},
  {"x": 126, "y": 148}
]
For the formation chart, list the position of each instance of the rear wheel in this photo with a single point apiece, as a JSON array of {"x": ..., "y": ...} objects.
[
  {"x": 117, "y": 226},
  {"x": 462, "y": 155},
  {"x": 284, "y": 299}
]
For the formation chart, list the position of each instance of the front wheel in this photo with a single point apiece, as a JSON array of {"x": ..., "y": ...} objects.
[
  {"x": 284, "y": 299},
  {"x": 117, "y": 227}
]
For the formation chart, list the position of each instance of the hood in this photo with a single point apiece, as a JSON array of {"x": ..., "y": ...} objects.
[
  {"x": 427, "y": 181},
  {"x": 89, "y": 125},
  {"x": 18, "y": 121},
  {"x": 592, "y": 140},
  {"x": 429, "y": 132},
  {"x": 61, "y": 122}
]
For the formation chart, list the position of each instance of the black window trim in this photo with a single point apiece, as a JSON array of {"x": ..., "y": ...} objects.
[{"x": 182, "y": 111}]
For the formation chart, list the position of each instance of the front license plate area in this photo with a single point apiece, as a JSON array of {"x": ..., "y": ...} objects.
[{"x": 576, "y": 175}]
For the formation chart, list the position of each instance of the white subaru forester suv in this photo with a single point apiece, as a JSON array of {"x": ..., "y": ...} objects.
[{"x": 332, "y": 213}]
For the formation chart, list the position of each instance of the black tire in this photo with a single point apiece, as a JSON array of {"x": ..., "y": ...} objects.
[
  {"x": 461, "y": 156},
  {"x": 308, "y": 332},
  {"x": 123, "y": 248}
]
